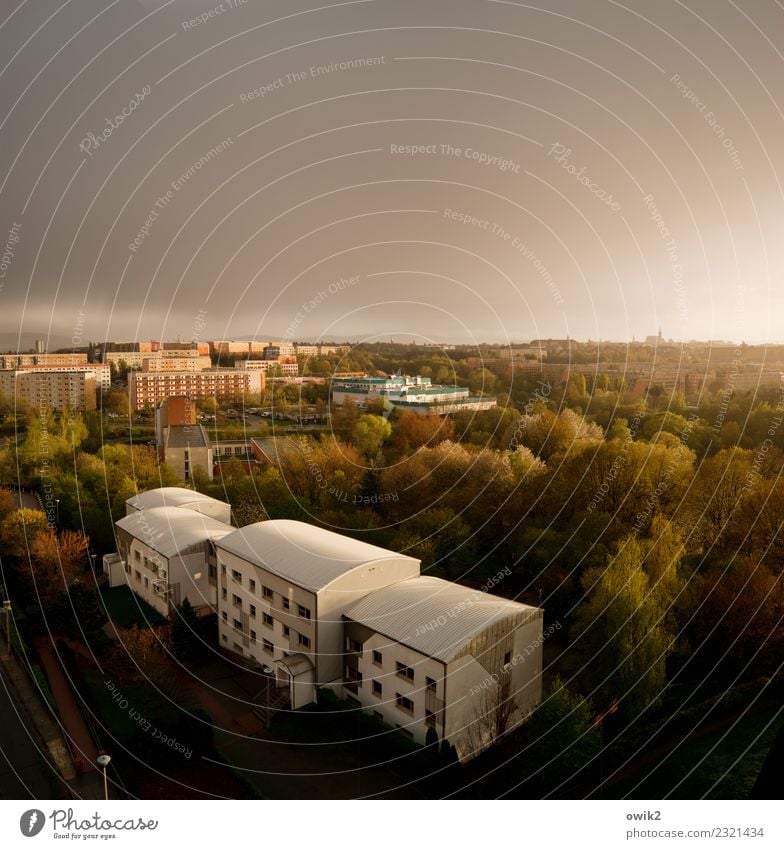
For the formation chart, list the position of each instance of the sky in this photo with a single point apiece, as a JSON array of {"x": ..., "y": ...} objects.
[{"x": 449, "y": 171}]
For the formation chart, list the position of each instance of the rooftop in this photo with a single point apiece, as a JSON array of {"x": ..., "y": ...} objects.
[
  {"x": 170, "y": 496},
  {"x": 187, "y": 436},
  {"x": 169, "y": 530},
  {"x": 306, "y": 555},
  {"x": 434, "y": 617}
]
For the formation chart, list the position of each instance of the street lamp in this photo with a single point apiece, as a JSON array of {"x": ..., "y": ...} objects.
[
  {"x": 7, "y": 611},
  {"x": 57, "y": 511},
  {"x": 104, "y": 761}
]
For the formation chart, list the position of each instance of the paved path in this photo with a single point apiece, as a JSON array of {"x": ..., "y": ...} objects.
[{"x": 79, "y": 737}]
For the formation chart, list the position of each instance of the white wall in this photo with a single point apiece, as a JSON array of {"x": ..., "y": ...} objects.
[{"x": 334, "y": 599}]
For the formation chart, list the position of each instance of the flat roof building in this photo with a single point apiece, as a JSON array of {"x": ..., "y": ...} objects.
[{"x": 150, "y": 388}]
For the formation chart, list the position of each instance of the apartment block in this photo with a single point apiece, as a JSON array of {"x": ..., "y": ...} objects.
[
  {"x": 150, "y": 388},
  {"x": 72, "y": 390}
]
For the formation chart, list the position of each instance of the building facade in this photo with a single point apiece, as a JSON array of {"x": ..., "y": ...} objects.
[
  {"x": 57, "y": 390},
  {"x": 314, "y": 609},
  {"x": 150, "y": 388}
]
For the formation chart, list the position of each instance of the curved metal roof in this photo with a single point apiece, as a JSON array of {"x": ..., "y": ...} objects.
[
  {"x": 432, "y": 616},
  {"x": 170, "y": 496},
  {"x": 170, "y": 530},
  {"x": 306, "y": 555}
]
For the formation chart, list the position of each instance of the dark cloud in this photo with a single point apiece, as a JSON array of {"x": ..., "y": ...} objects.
[{"x": 486, "y": 170}]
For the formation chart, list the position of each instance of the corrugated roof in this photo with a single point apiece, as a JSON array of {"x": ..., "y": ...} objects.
[
  {"x": 170, "y": 530},
  {"x": 170, "y": 496},
  {"x": 306, "y": 555},
  {"x": 432, "y": 616}
]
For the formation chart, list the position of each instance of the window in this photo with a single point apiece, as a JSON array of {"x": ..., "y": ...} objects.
[
  {"x": 238, "y": 624},
  {"x": 354, "y": 645},
  {"x": 224, "y": 595},
  {"x": 303, "y": 641},
  {"x": 225, "y": 616},
  {"x": 431, "y": 684},
  {"x": 213, "y": 573},
  {"x": 406, "y": 733},
  {"x": 404, "y": 671},
  {"x": 146, "y": 582},
  {"x": 238, "y": 649},
  {"x": 403, "y": 703},
  {"x": 377, "y": 688},
  {"x": 252, "y": 611},
  {"x": 377, "y": 658},
  {"x": 236, "y": 576},
  {"x": 224, "y": 638},
  {"x": 430, "y": 718},
  {"x": 267, "y": 620},
  {"x": 138, "y": 576},
  {"x": 286, "y": 604},
  {"x": 304, "y": 612},
  {"x": 236, "y": 601},
  {"x": 253, "y": 636},
  {"x": 223, "y": 568},
  {"x": 507, "y": 658},
  {"x": 286, "y": 630},
  {"x": 268, "y": 647},
  {"x": 379, "y": 716},
  {"x": 266, "y": 592},
  {"x": 252, "y": 585},
  {"x": 353, "y": 675},
  {"x": 136, "y": 556}
]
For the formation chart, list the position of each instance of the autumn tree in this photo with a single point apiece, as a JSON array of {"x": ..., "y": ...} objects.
[
  {"x": 411, "y": 431},
  {"x": 18, "y": 530},
  {"x": 57, "y": 561}
]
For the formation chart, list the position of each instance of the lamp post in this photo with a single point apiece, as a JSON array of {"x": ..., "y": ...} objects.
[
  {"x": 7, "y": 611},
  {"x": 57, "y": 511},
  {"x": 103, "y": 761}
]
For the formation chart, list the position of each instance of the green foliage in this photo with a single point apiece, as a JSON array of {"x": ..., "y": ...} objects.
[
  {"x": 622, "y": 631},
  {"x": 369, "y": 434},
  {"x": 562, "y": 733}
]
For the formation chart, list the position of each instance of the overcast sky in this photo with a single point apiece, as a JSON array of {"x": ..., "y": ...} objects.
[{"x": 589, "y": 168}]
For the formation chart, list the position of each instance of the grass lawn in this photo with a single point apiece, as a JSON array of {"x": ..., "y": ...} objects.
[
  {"x": 125, "y": 608},
  {"x": 721, "y": 765}
]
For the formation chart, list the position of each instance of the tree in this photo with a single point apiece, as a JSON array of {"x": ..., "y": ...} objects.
[
  {"x": 58, "y": 561},
  {"x": 562, "y": 734},
  {"x": 411, "y": 431},
  {"x": 142, "y": 654},
  {"x": 8, "y": 502},
  {"x": 18, "y": 530},
  {"x": 621, "y": 629},
  {"x": 185, "y": 640},
  {"x": 492, "y": 717},
  {"x": 720, "y": 483},
  {"x": 369, "y": 434}
]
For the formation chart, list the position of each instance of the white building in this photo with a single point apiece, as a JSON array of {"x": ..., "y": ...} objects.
[
  {"x": 426, "y": 653},
  {"x": 415, "y": 394},
  {"x": 167, "y": 553},
  {"x": 284, "y": 587},
  {"x": 316, "y": 609}
]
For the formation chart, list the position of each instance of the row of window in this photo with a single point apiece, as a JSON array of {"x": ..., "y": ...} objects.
[
  {"x": 302, "y": 640},
  {"x": 403, "y": 703},
  {"x": 266, "y": 593}
]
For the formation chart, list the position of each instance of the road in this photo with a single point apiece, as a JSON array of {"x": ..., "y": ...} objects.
[{"x": 25, "y": 771}]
